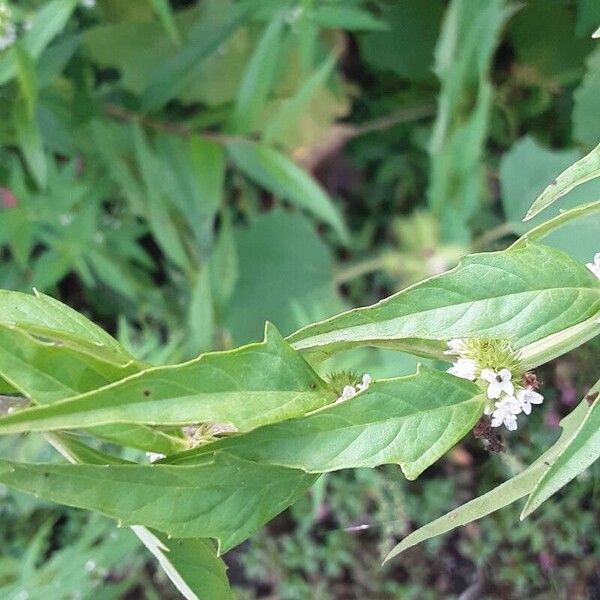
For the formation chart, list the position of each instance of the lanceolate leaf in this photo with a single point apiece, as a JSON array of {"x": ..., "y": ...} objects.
[
  {"x": 43, "y": 316},
  {"x": 191, "y": 564},
  {"x": 172, "y": 75},
  {"x": 258, "y": 77},
  {"x": 225, "y": 498},
  {"x": 583, "y": 170},
  {"x": 46, "y": 372},
  {"x": 281, "y": 176},
  {"x": 46, "y": 24},
  {"x": 582, "y": 451},
  {"x": 410, "y": 421},
  {"x": 254, "y": 385},
  {"x": 518, "y": 486},
  {"x": 523, "y": 295},
  {"x": 545, "y": 229}
]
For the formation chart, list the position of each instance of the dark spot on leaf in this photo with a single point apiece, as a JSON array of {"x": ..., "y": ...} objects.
[
  {"x": 146, "y": 393},
  {"x": 46, "y": 474},
  {"x": 591, "y": 397}
]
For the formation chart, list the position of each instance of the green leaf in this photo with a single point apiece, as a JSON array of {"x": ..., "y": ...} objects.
[
  {"x": 43, "y": 316},
  {"x": 47, "y": 372},
  {"x": 583, "y": 170},
  {"x": 225, "y": 498},
  {"x": 27, "y": 77},
  {"x": 30, "y": 142},
  {"x": 171, "y": 77},
  {"x": 293, "y": 108},
  {"x": 564, "y": 218},
  {"x": 48, "y": 22},
  {"x": 525, "y": 170},
  {"x": 543, "y": 38},
  {"x": 282, "y": 177},
  {"x": 522, "y": 295},
  {"x": 258, "y": 78},
  {"x": 410, "y": 421},
  {"x": 518, "y": 486},
  {"x": 159, "y": 213},
  {"x": 224, "y": 265},
  {"x": 163, "y": 10},
  {"x": 191, "y": 564},
  {"x": 207, "y": 160},
  {"x": 407, "y": 48},
  {"x": 348, "y": 18},
  {"x": 254, "y": 385},
  {"x": 293, "y": 285},
  {"x": 581, "y": 451},
  {"x": 463, "y": 56},
  {"x": 201, "y": 315}
]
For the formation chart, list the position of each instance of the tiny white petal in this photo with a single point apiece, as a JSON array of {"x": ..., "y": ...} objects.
[
  {"x": 526, "y": 398},
  {"x": 456, "y": 346},
  {"x": 364, "y": 384},
  {"x": 505, "y": 413},
  {"x": 594, "y": 267},
  {"x": 348, "y": 392},
  {"x": 499, "y": 383},
  {"x": 488, "y": 375},
  {"x": 465, "y": 368},
  {"x": 154, "y": 456}
]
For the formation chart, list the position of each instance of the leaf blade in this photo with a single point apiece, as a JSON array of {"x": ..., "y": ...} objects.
[
  {"x": 245, "y": 388},
  {"x": 582, "y": 451},
  {"x": 503, "y": 495},
  {"x": 281, "y": 176},
  {"x": 583, "y": 170},
  {"x": 512, "y": 286},
  {"x": 411, "y": 421}
]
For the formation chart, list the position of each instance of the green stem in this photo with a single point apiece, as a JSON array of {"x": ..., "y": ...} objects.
[{"x": 364, "y": 267}]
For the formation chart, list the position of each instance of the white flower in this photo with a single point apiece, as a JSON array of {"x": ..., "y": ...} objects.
[
  {"x": 526, "y": 398},
  {"x": 456, "y": 346},
  {"x": 505, "y": 413},
  {"x": 499, "y": 382},
  {"x": 88, "y": 3},
  {"x": 350, "y": 391},
  {"x": 364, "y": 384},
  {"x": 594, "y": 267},
  {"x": 464, "y": 368},
  {"x": 154, "y": 456}
]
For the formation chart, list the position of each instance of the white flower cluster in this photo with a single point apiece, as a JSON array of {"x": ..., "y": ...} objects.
[
  {"x": 350, "y": 391},
  {"x": 509, "y": 401}
]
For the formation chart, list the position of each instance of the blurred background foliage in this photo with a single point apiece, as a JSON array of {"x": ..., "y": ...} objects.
[{"x": 182, "y": 171}]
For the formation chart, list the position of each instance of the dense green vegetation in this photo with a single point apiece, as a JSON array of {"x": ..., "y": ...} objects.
[{"x": 181, "y": 172}]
